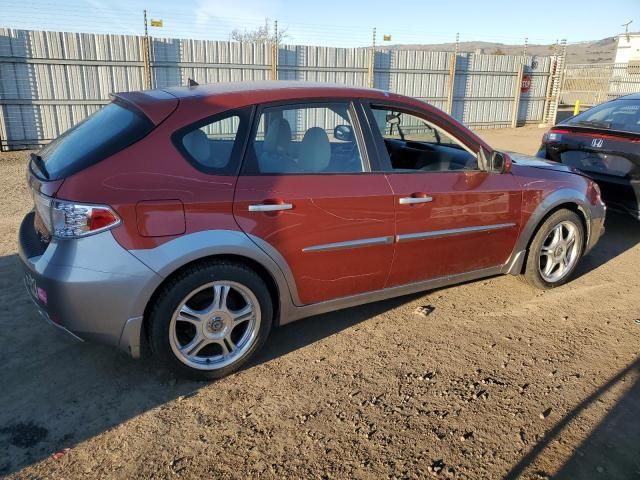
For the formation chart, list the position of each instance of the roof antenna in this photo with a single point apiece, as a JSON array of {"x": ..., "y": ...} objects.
[
  {"x": 192, "y": 83},
  {"x": 626, "y": 29}
]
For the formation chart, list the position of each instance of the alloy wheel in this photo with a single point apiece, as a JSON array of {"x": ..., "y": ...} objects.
[
  {"x": 215, "y": 325},
  {"x": 559, "y": 252}
]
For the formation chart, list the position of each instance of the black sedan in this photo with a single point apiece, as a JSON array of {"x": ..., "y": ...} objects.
[{"x": 603, "y": 143}]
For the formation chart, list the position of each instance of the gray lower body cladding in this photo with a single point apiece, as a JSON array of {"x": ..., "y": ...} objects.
[
  {"x": 89, "y": 286},
  {"x": 98, "y": 291}
]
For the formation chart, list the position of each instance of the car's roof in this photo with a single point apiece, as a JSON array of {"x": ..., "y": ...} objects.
[
  {"x": 159, "y": 103},
  {"x": 284, "y": 88},
  {"x": 202, "y": 101}
]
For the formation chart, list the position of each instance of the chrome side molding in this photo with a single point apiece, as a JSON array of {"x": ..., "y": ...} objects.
[
  {"x": 451, "y": 231},
  {"x": 365, "y": 242}
]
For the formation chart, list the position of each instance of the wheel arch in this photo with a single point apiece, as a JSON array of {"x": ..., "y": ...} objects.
[
  {"x": 261, "y": 270},
  {"x": 568, "y": 199},
  {"x": 173, "y": 257}
]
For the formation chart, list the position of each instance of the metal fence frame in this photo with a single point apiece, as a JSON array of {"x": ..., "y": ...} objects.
[
  {"x": 49, "y": 81},
  {"x": 591, "y": 84}
]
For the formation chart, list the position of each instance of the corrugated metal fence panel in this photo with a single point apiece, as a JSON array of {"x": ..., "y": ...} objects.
[
  {"x": 323, "y": 64},
  {"x": 49, "y": 81},
  {"x": 484, "y": 86},
  {"x": 416, "y": 73},
  {"x": 174, "y": 61},
  {"x": 531, "y": 107}
]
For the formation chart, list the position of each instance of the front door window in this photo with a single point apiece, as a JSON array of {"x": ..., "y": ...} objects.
[{"x": 415, "y": 143}]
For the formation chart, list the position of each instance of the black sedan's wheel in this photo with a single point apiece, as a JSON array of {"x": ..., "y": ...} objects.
[
  {"x": 210, "y": 319},
  {"x": 555, "y": 250}
]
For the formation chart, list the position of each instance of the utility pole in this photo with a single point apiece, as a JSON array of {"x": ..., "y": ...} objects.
[
  {"x": 457, "y": 43},
  {"x": 524, "y": 50},
  {"x": 626, "y": 29}
]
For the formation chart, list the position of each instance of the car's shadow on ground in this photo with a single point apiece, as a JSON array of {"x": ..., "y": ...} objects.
[
  {"x": 621, "y": 234},
  {"x": 57, "y": 392},
  {"x": 610, "y": 450}
]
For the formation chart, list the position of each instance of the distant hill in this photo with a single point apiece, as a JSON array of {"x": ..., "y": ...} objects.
[{"x": 597, "y": 51}]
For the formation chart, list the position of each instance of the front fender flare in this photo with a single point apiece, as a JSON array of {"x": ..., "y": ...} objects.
[{"x": 563, "y": 196}]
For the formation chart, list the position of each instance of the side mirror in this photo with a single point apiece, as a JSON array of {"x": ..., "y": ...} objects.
[
  {"x": 343, "y": 133},
  {"x": 393, "y": 118},
  {"x": 500, "y": 163}
]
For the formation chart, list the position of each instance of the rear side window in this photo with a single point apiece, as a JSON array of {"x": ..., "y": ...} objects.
[
  {"x": 100, "y": 135},
  {"x": 213, "y": 145}
]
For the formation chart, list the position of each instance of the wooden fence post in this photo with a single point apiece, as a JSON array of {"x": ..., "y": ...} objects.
[
  {"x": 516, "y": 96},
  {"x": 370, "y": 67},
  {"x": 146, "y": 64},
  {"x": 452, "y": 81}
]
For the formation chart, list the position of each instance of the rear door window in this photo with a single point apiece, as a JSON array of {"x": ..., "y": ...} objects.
[
  {"x": 314, "y": 138},
  {"x": 100, "y": 135}
]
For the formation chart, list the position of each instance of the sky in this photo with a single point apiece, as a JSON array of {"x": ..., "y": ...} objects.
[{"x": 337, "y": 22}]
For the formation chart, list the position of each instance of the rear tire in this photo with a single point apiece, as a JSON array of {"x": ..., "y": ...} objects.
[
  {"x": 210, "y": 319},
  {"x": 555, "y": 250}
]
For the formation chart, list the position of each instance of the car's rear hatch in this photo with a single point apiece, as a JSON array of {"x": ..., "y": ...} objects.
[{"x": 127, "y": 119}]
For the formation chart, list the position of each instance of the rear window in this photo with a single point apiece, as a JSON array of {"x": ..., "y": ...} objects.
[
  {"x": 100, "y": 135},
  {"x": 622, "y": 115}
]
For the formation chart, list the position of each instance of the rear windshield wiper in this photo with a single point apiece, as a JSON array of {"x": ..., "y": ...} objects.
[{"x": 39, "y": 163}]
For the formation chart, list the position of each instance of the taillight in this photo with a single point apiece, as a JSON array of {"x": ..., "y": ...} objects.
[
  {"x": 552, "y": 136},
  {"x": 65, "y": 219}
]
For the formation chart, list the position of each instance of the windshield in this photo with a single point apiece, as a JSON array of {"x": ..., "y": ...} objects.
[
  {"x": 622, "y": 115},
  {"x": 100, "y": 135}
]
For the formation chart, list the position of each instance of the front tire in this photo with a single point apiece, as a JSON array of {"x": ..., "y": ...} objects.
[
  {"x": 555, "y": 250},
  {"x": 210, "y": 319}
]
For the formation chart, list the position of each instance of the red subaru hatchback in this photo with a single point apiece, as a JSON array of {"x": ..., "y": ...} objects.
[{"x": 194, "y": 219}]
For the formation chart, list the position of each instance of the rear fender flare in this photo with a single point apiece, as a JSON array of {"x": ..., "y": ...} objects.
[{"x": 173, "y": 255}]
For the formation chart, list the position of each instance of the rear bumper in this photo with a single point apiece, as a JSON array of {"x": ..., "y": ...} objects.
[{"x": 91, "y": 287}]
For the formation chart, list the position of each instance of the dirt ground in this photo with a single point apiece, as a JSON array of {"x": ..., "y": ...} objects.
[{"x": 498, "y": 381}]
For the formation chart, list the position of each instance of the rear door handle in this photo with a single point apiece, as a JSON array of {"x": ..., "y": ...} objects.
[
  {"x": 415, "y": 199},
  {"x": 270, "y": 207}
]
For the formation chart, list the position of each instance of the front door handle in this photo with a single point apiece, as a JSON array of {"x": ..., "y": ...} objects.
[
  {"x": 270, "y": 207},
  {"x": 415, "y": 198}
]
